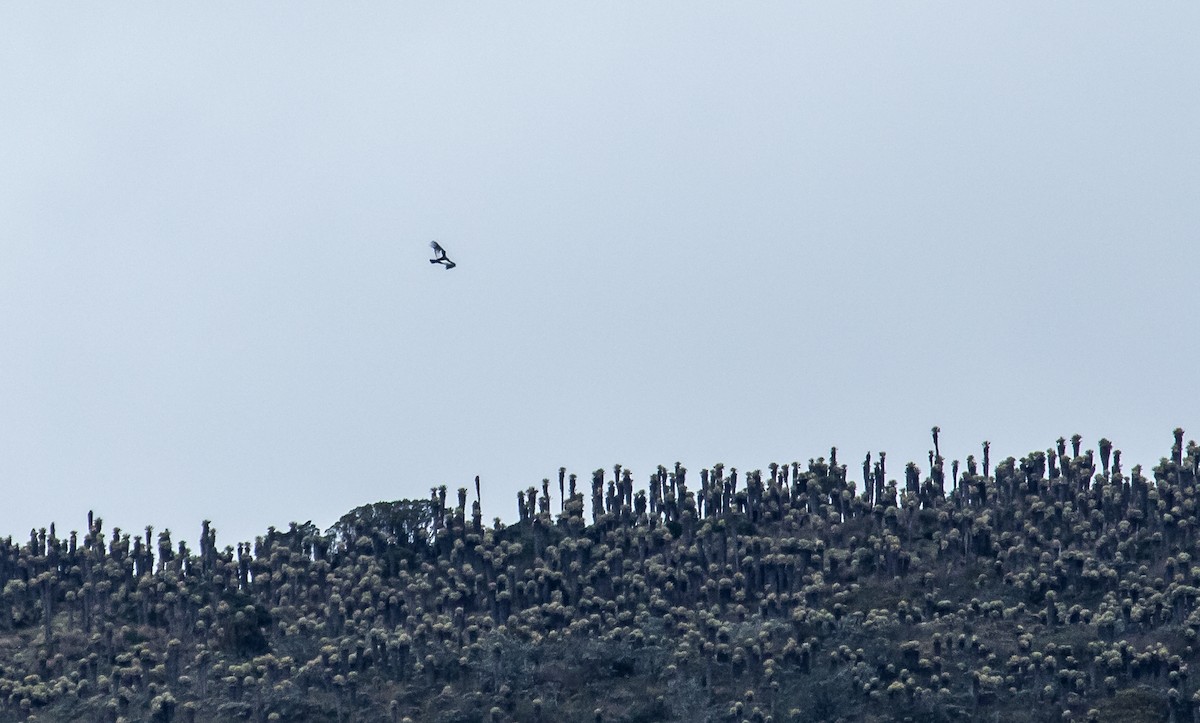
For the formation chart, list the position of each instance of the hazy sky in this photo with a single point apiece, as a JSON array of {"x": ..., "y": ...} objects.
[{"x": 720, "y": 232}]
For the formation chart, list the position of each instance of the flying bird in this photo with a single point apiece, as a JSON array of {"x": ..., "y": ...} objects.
[{"x": 439, "y": 256}]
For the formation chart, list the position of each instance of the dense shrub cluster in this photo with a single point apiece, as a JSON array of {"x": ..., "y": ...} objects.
[{"x": 1045, "y": 588}]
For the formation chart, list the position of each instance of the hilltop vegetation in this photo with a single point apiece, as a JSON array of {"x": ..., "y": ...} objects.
[{"x": 1046, "y": 588}]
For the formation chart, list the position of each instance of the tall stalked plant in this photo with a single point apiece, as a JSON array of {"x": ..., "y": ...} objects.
[{"x": 1105, "y": 454}]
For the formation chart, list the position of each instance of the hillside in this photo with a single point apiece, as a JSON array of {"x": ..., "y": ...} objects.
[{"x": 1054, "y": 586}]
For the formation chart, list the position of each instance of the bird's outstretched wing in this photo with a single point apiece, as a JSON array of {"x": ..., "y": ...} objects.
[{"x": 437, "y": 249}]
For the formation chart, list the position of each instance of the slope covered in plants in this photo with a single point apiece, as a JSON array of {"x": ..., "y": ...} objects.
[{"x": 1056, "y": 586}]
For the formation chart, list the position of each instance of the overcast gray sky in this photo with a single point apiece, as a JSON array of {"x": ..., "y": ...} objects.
[{"x": 704, "y": 232}]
